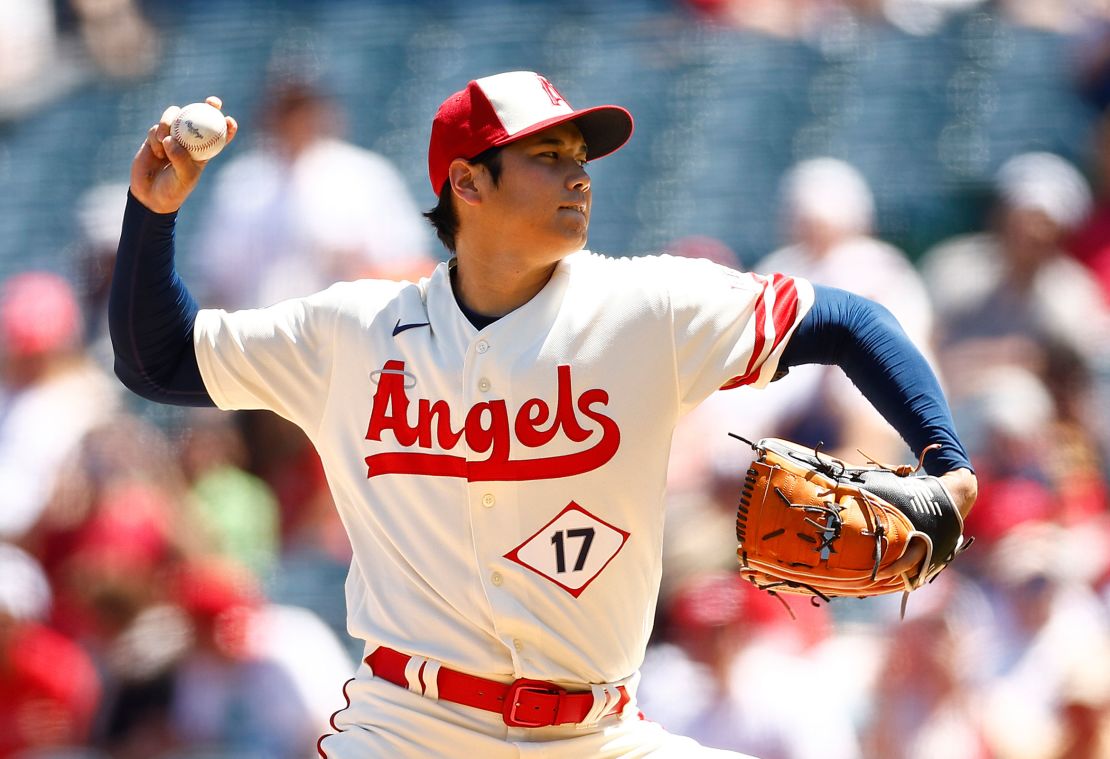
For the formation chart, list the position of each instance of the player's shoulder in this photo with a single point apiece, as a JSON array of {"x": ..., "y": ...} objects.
[
  {"x": 366, "y": 288},
  {"x": 655, "y": 270},
  {"x": 661, "y": 282},
  {"x": 365, "y": 296}
]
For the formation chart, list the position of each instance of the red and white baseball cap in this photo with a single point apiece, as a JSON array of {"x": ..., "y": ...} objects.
[{"x": 503, "y": 108}]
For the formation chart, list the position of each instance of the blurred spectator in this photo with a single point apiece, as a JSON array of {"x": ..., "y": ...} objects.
[
  {"x": 109, "y": 571},
  {"x": 737, "y": 671},
  {"x": 107, "y": 565},
  {"x": 700, "y": 534},
  {"x": 1049, "y": 15},
  {"x": 99, "y": 218},
  {"x": 315, "y": 554},
  {"x": 140, "y": 665},
  {"x": 306, "y": 209},
  {"x": 283, "y": 457},
  {"x": 1031, "y": 439},
  {"x": 40, "y": 59},
  {"x": 1016, "y": 312},
  {"x": 1091, "y": 58},
  {"x": 259, "y": 678},
  {"x": 49, "y": 689},
  {"x": 123, "y": 466},
  {"x": 921, "y": 707},
  {"x": 111, "y": 536},
  {"x": 119, "y": 40},
  {"x": 1085, "y": 712},
  {"x": 112, "y": 532},
  {"x": 1091, "y": 242},
  {"x": 923, "y": 17},
  {"x": 50, "y": 393},
  {"x": 27, "y": 41},
  {"x": 1076, "y": 461},
  {"x": 778, "y": 18},
  {"x": 1007, "y": 414},
  {"x": 236, "y": 510},
  {"x": 794, "y": 19},
  {"x": 1048, "y": 630},
  {"x": 1003, "y": 294}
]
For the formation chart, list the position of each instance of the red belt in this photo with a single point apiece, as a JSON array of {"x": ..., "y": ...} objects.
[{"x": 522, "y": 703}]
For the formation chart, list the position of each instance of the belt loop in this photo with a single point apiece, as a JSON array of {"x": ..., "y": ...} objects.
[
  {"x": 603, "y": 699},
  {"x": 413, "y": 672},
  {"x": 431, "y": 679},
  {"x": 627, "y": 692}
]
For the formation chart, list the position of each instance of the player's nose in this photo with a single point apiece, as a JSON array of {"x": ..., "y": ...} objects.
[{"x": 578, "y": 180}]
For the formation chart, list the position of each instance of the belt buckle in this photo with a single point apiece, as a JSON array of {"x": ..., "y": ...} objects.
[{"x": 509, "y": 708}]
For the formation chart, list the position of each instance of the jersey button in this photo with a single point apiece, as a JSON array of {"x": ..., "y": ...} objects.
[
  {"x": 518, "y": 645},
  {"x": 495, "y": 578},
  {"x": 482, "y": 346},
  {"x": 488, "y": 500},
  {"x": 484, "y": 385}
]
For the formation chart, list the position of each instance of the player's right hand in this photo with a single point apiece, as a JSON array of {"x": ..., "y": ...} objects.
[{"x": 163, "y": 173}]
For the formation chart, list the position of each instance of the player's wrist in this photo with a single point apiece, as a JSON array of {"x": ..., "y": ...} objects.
[
  {"x": 963, "y": 486},
  {"x": 152, "y": 207}
]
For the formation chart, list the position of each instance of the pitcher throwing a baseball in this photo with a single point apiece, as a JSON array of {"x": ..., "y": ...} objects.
[{"x": 496, "y": 436}]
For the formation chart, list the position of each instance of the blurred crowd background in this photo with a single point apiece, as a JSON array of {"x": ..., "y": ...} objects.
[{"x": 171, "y": 580}]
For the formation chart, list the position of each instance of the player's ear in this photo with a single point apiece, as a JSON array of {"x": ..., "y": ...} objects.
[{"x": 462, "y": 177}]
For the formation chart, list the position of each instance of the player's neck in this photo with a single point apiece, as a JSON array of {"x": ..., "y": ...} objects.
[{"x": 494, "y": 285}]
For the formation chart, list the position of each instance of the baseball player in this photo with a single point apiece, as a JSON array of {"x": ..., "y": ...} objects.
[{"x": 496, "y": 436}]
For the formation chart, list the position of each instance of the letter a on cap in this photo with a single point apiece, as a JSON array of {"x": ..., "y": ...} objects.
[{"x": 552, "y": 93}]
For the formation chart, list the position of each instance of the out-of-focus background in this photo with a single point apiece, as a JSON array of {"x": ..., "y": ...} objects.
[{"x": 171, "y": 581}]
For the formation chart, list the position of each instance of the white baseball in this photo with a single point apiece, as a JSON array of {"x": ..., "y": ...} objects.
[{"x": 201, "y": 129}]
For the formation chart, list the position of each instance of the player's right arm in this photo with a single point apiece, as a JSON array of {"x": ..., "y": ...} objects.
[{"x": 150, "y": 311}]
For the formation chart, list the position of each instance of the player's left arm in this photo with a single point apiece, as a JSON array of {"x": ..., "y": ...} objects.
[{"x": 865, "y": 340}]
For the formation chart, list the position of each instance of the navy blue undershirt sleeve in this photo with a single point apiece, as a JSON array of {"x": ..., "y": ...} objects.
[
  {"x": 151, "y": 313},
  {"x": 869, "y": 345}
]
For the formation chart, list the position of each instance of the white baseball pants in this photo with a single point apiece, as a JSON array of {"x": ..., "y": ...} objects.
[{"x": 385, "y": 721}]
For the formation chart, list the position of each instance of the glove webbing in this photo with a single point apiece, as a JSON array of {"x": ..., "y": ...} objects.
[{"x": 742, "y": 530}]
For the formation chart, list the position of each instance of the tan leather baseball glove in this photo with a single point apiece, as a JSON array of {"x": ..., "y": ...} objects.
[{"x": 810, "y": 524}]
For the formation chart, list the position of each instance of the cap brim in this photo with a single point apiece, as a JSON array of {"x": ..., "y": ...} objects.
[{"x": 605, "y": 128}]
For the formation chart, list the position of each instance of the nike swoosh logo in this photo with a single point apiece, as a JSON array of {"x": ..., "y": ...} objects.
[{"x": 398, "y": 328}]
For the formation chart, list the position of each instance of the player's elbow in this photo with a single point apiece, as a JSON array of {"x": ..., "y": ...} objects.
[{"x": 133, "y": 378}]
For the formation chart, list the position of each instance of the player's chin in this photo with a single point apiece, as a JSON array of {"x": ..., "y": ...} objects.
[
  {"x": 574, "y": 228},
  {"x": 575, "y": 242}
]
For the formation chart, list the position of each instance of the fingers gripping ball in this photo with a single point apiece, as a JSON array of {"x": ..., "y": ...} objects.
[
  {"x": 200, "y": 129},
  {"x": 810, "y": 524}
]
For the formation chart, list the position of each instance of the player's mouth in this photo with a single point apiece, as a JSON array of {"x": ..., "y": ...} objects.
[{"x": 579, "y": 207}]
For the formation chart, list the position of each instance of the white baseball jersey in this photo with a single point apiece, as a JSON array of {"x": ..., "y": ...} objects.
[{"x": 503, "y": 488}]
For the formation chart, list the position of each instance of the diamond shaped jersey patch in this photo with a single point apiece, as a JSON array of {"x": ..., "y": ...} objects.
[{"x": 571, "y": 550}]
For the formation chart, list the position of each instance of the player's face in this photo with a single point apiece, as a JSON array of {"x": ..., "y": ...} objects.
[{"x": 542, "y": 200}]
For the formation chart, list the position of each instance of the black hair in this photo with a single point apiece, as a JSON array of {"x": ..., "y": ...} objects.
[{"x": 444, "y": 218}]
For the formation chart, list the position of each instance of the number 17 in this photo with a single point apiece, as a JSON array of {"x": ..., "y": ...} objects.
[{"x": 586, "y": 533}]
